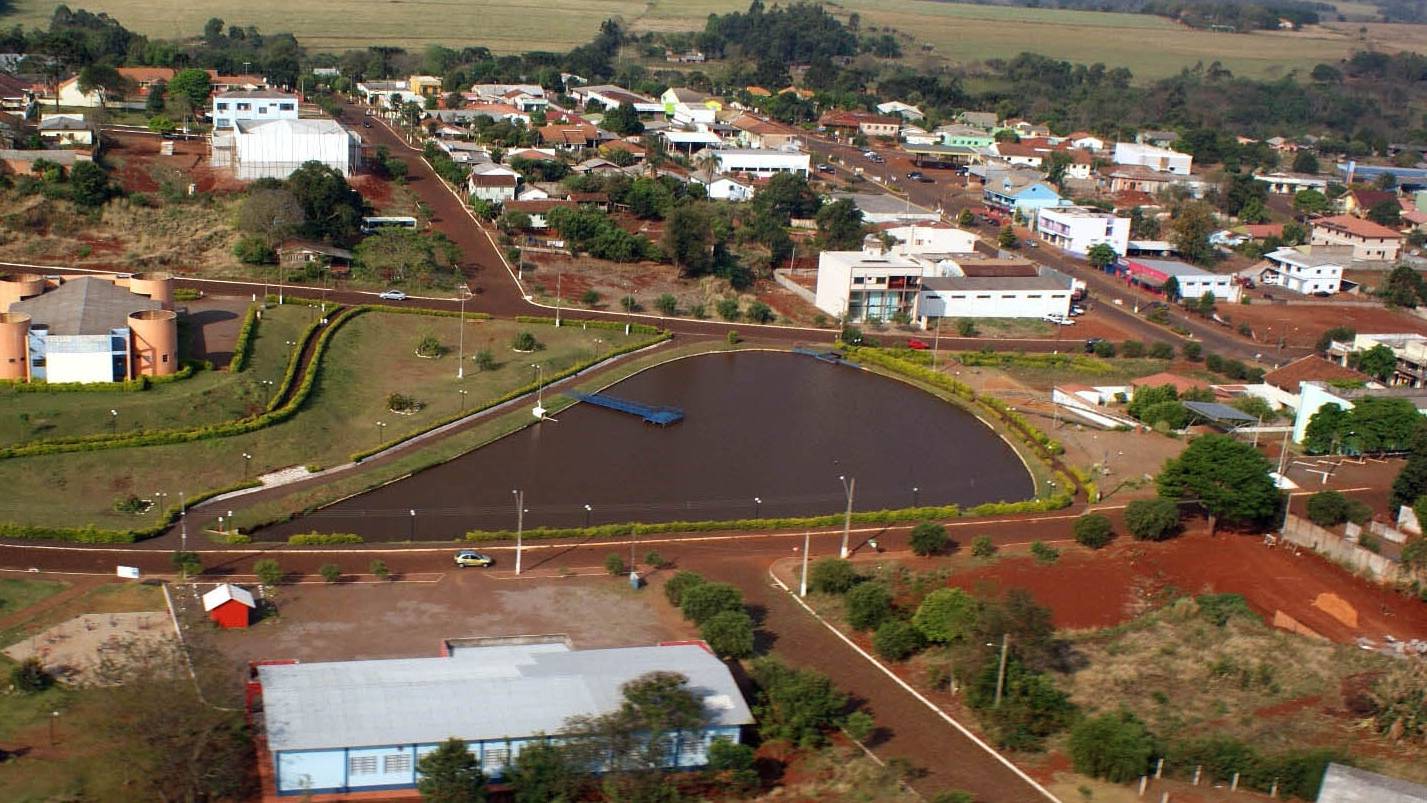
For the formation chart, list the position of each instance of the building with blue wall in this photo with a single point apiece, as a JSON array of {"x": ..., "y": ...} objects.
[{"x": 353, "y": 726}]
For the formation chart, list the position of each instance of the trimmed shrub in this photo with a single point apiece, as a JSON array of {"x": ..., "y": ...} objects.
[
  {"x": 268, "y": 571},
  {"x": 1327, "y": 508},
  {"x": 707, "y": 600},
  {"x": 1116, "y": 747},
  {"x": 675, "y": 586},
  {"x": 1093, "y": 530},
  {"x": 946, "y": 615},
  {"x": 524, "y": 341},
  {"x": 1152, "y": 519},
  {"x": 897, "y": 640},
  {"x": 982, "y": 546},
  {"x": 316, "y": 539},
  {"x": 614, "y": 564},
  {"x": 330, "y": 572},
  {"x": 729, "y": 634},
  {"x": 1044, "y": 553},
  {"x": 379, "y": 570},
  {"x": 832, "y": 576},
  {"x": 859, "y": 725},
  {"x": 242, "y": 349},
  {"x": 929, "y": 538},
  {"x": 868, "y": 605}
]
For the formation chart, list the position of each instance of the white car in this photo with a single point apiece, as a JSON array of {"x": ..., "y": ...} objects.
[
  {"x": 1059, "y": 320},
  {"x": 392, "y": 295}
]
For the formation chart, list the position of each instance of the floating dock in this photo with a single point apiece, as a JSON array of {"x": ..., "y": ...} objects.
[
  {"x": 824, "y": 355},
  {"x": 661, "y": 416}
]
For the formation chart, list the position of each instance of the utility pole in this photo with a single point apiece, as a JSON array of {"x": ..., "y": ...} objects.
[
  {"x": 461, "y": 340},
  {"x": 850, "y": 488},
  {"x": 183, "y": 522},
  {"x": 936, "y": 341},
  {"x": 1001, "y": 673},
  {"x": 519, "y": 525},
  {"x": 558, "y": 278},
  {"x": 807, "y": 545}
]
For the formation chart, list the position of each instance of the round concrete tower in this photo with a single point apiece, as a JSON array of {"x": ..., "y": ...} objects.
[
  {"x": 153, "y": 342},
  {"x": 14, "y": 346},
  {"x": 156, "y": 285},
  {"x": 18, "y": 287}
]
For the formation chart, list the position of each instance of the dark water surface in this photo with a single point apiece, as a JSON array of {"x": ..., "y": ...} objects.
[{"x": 774, "y": 426}]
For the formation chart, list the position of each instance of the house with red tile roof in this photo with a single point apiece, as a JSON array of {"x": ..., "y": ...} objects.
[
  {"x": 1181, "y": 384},
  {"x": 1371, "y": 242}
]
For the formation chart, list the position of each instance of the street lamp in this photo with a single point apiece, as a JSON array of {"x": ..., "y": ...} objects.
[
  {"x": 381, "y": 431},
  {"x": 54, "y": 717},
  {"x": 163, "y": 502},
  {"x": 915, "y": 500},
  {"x": 463, "y": 393},
  {"x": 757, "y": 507},
  {"x": 519, "y": 524},
  {"x": 461, "y": 340},
  {"x": 247, "y": 464},
  {"x": 182, "y": 522},
  {"x": 803, "y": 581},
  {"x": 558, "y": 277},
  {"x": 113, "y": 421},
  {"x": 850, "y": 487},
  {"x": 411, "y": 531},
  {"x": 588, "y": 510}
]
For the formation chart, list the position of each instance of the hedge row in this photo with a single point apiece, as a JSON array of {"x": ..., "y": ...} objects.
[
  {"x": 1001, "y": 359},
  {"x": 89, "y": 534},
  {"x": 634, "y": 328},
  {"x": 901, "y": 515},
  {"x": 434, "y": 313},
  {"x": 189, "y": 368},
  {"x": 220, "y": 430},
  {"x": 1023, "y": 427},
  {"x": 315, "y": 539},
  {"x": 243, "y": 349},
  {"x": 294, "y": 362},
  {"x": 550, "y": 379}
]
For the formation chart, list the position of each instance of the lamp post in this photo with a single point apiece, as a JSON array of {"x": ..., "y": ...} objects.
[
  {"x": 850, "y": 487},
  {"x": 411, "y": 531},
  {"x": 182, "y": 522},
  {"x": 803, "y": 581},
  {"x": 936, "y": 341},
  {"x": 757, "y": 507},
  {"x": 381, "y": 427},
  {"x": 461, "y": 340},
  {"x": 1001, "y": 672},
  {"x": 519, "y": 524},
  {"x": 588, "y": 510},
  {"x": 247, "y": 464},
  {"x": 463, "y": 393},
  {"x": 558, "y": 277},
  {"x": 113, "y": 422},
  {"x": 54, "y": 717},
  {"x": 915, "y": 493},
  {"x": 162, "y": 503}
]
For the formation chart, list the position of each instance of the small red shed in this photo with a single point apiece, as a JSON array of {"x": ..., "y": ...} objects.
[{"x": 229, "y": 605}]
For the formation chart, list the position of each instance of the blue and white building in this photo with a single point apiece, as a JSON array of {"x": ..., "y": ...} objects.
[
  {"x": 230, "y": 108},
  {"x": 354, "y": 726}
]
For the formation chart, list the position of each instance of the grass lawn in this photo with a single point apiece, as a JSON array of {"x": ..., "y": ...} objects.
[
  {"x": 17, "y": 594},
  {"x": 370, "y": 358},
  {"x": 1007, "y": 327},
  {"x": 207, "y": 397},
  {"x": 108, "y": 598},
  {"x": 1110, "y": 372}
]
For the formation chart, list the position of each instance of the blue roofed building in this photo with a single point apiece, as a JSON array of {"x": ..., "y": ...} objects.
[
  {"x": 351, "y": 726},
  {"x": 1014, "y": 192}
]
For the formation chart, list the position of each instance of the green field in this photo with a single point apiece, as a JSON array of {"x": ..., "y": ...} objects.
[
  {"x": 1150, "y": 46},
  {"x": 17, "y": 595},
  {"x": 370, "y": 357},
  {"x": 206, "y": 398}
]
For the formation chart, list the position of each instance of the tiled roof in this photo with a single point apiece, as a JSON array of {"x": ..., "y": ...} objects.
[
  {"x": 1358, "y": 227},
  {"x": 1309, "y": 368}
]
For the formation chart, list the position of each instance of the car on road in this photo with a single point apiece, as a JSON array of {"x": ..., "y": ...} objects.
[
  {"x": 917, "y": 175},
  {"x": 470, "y": 557},
  {"x": 917, "y": 345},
  {"x": 392, "y": 295},
  {"x": 1077, "y": 310},
  {"x": 826, "y": 168},
  {"x": 1030, "y": 244},
  {"x": 1058, "y": 319},
  {"x": 366, "y": 124}
]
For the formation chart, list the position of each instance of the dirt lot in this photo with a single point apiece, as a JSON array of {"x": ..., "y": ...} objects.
[
  {"x": 140, "y": 167},
  {"x": 1301, "y": 324},
  {"x": 215, "y": 321},
  {"x": 349, "y": 621}
]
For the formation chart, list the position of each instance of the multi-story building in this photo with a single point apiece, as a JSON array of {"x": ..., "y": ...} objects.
[
  {"x": 1077, "y": 229},
  {"x": 870, "y": 284},
  {"x": 261, "y": 104},
  {"x": 1371, "y": 242},
  {"x": 1303, "y": 269}
]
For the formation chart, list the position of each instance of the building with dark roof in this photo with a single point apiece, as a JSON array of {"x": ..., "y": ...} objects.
[{"x": 87, "y": 329}]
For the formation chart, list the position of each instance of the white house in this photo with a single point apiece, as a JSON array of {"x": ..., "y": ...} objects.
[
  {"x": 1291, "y": 183},
  {"x": 492, "y": 182},
  {"x": 1077, "y": 229},
  {"x": 1160, "y": 160},
  {"x": 931, "y": 238},
  {"x": 724, "y": 188},
  {"x": 689, "y": 106},
  {"x": 993, "y": 297},
  {"x": 762, "y": 163},
  {"x": 608, "y": 96},
  {"x": 275, "y": 148},
  {"x": 1085, "y": 141},
  {"x": 1299, "y": 270},
  {"x": 904, "y": 110},
  {"x": 66, "y": 129},
  {"x": 259, "y": 104},
  {"x": 1193, "y": 281}
]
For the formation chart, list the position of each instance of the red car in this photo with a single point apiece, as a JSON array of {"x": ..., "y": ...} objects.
[{"x": 919, "y": 345}]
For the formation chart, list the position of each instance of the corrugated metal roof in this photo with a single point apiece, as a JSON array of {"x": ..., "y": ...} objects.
[
  {"x": 478, "y": 693},
  {"x": 84, "y": 306}
]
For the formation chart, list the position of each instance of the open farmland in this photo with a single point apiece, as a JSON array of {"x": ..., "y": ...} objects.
[{"x": 1150, "y": 46}]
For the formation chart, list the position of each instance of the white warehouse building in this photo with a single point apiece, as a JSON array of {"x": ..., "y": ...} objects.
[
  {"x": 762, "y": 163},
  {"x": 993, "y": 297},
  {"x": 1160, "y": 160},
  {"x": 1077, "y": 229},
  {"x": 276, "y": 148}
]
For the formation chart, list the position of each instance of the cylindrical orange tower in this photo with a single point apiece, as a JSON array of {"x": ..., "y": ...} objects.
[
  {"x": 153, "y": 342},
  {"x": 155, "y": 285},
  {"x": 18, "y": 287},
  {"x": 14, "y": 346}
]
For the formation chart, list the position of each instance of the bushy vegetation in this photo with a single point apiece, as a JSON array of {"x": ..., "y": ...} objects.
[
  {"x": 1152, "y": 519},
  {"x": 929, "y": 538},
  {"x": 1093, "y": 530}
]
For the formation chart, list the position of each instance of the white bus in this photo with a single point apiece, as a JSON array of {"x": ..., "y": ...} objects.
[{"x": 371, "y": 224}]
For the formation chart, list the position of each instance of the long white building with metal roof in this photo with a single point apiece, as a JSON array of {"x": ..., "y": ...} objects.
[{"x": 352, "y": 726}]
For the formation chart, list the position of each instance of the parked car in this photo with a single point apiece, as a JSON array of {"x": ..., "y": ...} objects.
[
  {"x": 826, "y": 168},
  {"x": 366, "y": 123},
  {"x": 917, "y": 175},
  {"x": 1077, "y": 310},
  {"x": 919, "y": 345},
  {"x": 470, "y": 557},
  {"x": 1030, "y": 244},
  {"x": 1059, "y": 320},
  {"x": 392, "y": 295}
]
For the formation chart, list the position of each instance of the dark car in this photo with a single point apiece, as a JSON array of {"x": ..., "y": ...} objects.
[
  {"x": 826, "y": 168},
  {"x": 366, "y": 123},
  {"x": 917, "y": 175}
]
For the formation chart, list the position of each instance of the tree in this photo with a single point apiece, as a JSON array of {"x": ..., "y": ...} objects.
[
  {"x": 154, "y": 100},
  {"x": 1385, "y": 181},
  {"x": 88, "y": 184},
  {"x": 1387, "y": 213},
  {"x": 1204, "y": 305},
  {"x": 667, "y": 304},
  {"x": 840, "y": 226},
  {"x": 688, "y": 239},
  {"x": 399, "y": 255},
  {"x": 1378, "y": 362},
  {"x": 187, "y": 563},
  {"x": 798, "y": 705},
  {"x": 544, "y": 773},
  {"x": 271, "y": 213},
  {"x": 378, "y": 569},
  {"x": 1171, "y": 289},
  {"x": 728, "y": 309},
  {"x": 332, "y": 209},
  {"x": 1411, "y": 482},
  {"x": 1093, "y": 530},
  {"x": 1100, "y": 255},
  {"x": 704, "y": 601},
  {"x": 868, "y": 605},
  {"x": 268, "y": 571},
  {"x": 1310, "y": 202},
  {"x": 1007, "y": 238},
  {"x": 928, "y": 538},
  {"x": 729, "y": 634},
  {"x": 1116, "y": 747},
  {"x": 982, "y": 546},
  {"x": 759, "y": 312},
  {"x": 897, "y": 640},
  {"x": 1327, "y": 508},
  {"x": 649, "y": 198},
  {"x": 734, "y": 763},
  {"x": 1404, "y": 287},
  {"x": 1152, "y": 519},
  {"x": 450, "y": 774},
  {"x": 252, "y": 250},
  {"x": 103, "y": 79},
  {"x": 675, "y": 586},
  {"x": 946, "y": 615},
  {"x": 191, "y": 86},
  {"x": 1305, "y": 162},
  {"x": 623, "y": 120},
  {"x": 1229, "y": 478},
  {"x": 1190, "y": 232},
  {"x": 29, "y": 676},
  {"x": 832, "y": 576}
]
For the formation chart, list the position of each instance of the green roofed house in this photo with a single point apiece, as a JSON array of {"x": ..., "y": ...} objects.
[{"x": 354, "y": 726}]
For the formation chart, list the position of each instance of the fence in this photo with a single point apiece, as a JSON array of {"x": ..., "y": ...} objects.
[
  {"x": 782, "y": 277},
  {"x": 1339, "y": 549}
]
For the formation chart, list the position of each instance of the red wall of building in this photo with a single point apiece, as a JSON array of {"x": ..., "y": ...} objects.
[{"x": 231, "y": 614}]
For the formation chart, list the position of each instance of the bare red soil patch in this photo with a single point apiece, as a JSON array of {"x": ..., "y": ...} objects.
[
  {"x": 1301, "y": 324},
  {"x": 1097, "y": 590}
]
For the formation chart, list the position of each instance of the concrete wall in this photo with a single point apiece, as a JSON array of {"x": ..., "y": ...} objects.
[
  {"x": 1336, "y": 548},
  {"x": 781, "y": 277}
]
